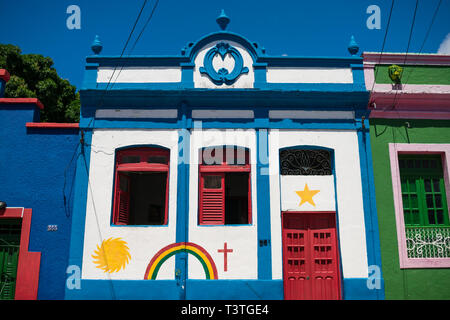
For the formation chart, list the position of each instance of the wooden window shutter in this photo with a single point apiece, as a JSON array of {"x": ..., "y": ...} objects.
[
  {"x": 123, "y": 200},
  {"x": 212, "y": 199}
]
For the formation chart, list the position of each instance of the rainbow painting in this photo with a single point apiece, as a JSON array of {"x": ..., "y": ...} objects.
[{"x": 165, "y": 253}]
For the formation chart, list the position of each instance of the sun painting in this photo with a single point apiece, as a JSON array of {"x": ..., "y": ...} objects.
[{"x": 112, "y": 256}]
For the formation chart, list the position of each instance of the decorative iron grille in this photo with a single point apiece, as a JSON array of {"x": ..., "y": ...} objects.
[
  {"x": 428, "y": 242},
  {"x": 305, "y": 162}
]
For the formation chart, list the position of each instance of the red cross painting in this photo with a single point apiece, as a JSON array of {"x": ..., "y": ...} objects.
[{"x": 225, "y": 252}]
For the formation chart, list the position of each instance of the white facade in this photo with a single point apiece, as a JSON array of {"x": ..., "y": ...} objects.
[
  {"x": 349, "y": 202},
  {"x": 243, "y": 261},
  {"x": 143, "y": 241}
]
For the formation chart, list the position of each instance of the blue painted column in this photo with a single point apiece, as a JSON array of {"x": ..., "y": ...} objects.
[
  {"x": 187, "y": 74},
  {"x": 263, "y": 192},
  {"x": 370, "y": 210},
  {"x": 182, "y": 227}
]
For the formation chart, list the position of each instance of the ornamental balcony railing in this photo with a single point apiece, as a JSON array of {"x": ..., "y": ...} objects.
[{"x": 428, "y": 242}]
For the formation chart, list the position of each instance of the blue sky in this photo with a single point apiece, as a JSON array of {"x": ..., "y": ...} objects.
[{"x": 291, "y": 27}]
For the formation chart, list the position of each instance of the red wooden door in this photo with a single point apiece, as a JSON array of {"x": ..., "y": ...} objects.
[{"x": 310, "y": 256}]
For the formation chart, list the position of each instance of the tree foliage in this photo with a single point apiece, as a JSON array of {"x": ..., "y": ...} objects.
[{"x": 32, "y": 76}]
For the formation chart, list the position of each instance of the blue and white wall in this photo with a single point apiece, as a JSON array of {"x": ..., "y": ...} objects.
[
  {"x": 143, "y": 241},
  {"x": 340, "y": 192},
  {"x": 274, "y": 102}
]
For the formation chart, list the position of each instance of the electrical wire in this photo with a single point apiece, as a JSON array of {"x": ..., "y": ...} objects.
[
  {"x": 138, "y": 38},
  {"x": 65, "y": 180},
  {"x": 426, "y": 36},
  {"x": 82, "y": 143},
  {"x": 89, "y": 186},
  {"x": 123, "y": 51},
  {"x": 384, "y": 42},
  {"x": 409, "y": 43}
]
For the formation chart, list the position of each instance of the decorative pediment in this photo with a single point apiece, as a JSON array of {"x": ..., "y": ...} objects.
[{"x": 223, "y": 75}]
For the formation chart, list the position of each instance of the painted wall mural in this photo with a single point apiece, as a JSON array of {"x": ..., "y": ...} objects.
[
  {"x": 112, "y": 256},
  {"x": 165, "y": 253},
  {"x": 225, "y": 252},
  {"x": 307, "y": 195}
]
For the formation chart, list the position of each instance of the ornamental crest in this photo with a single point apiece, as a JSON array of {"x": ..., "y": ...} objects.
[{"x": 223, "y": 75}]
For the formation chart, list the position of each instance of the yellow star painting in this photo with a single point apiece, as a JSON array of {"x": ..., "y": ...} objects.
[
  {"x": 307, "y": 195},
  {"x": 112, "y": 255}
]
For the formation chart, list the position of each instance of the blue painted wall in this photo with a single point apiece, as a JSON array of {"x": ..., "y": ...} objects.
[{"x": 35, "y": 172}]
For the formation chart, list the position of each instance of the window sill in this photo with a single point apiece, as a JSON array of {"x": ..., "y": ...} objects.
[
  {"x": 138, "y": 225},
  {"x": 425, "y": 263},
  {"x": 225, "y": 225}
]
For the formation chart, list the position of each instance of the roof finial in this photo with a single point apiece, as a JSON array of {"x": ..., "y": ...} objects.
[
  {"x": 353, "y": 47},
  {"x": 96, "y": 45},
  {"x": 223, "y": 20}
]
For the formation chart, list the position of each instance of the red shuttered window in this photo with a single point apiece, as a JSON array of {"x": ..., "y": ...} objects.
[
  {"x": 141, "y": 186},
  {"x": 123, "y": 199},
  {"x": 212, "y": 198},
  {"x": 224, "y": 186}
]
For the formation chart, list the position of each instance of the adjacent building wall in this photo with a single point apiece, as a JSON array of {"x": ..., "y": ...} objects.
[
  {"x": 400, "y": 283},
  {"x": 36, "y": 172}
]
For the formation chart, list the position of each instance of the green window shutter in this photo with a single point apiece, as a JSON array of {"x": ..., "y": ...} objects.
[
  {"x": 9, "y": 256},
  {"x": 411, "y": 199},
  {"x": 435, "y": 200},
  {"x": 427, "y": 226},
  {"x": 423, "y": 190}
]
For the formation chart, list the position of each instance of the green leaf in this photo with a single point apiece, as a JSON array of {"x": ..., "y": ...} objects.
[{"x": 33, "y": 76}]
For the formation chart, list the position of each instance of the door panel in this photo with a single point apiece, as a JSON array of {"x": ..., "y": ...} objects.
[
  {"x": 310, "y": 256},
  {"x": 9, "y": 256}
]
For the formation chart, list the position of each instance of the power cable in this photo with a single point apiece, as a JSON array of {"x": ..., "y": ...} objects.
[
  {"x": 67, "y": 210},
  {"x": 83, "y": 143},
  {"x": 426, "y": 36},
  {"x": 145, "y": 26},
  {"x": 123, "y": 51},
  {"x": 409, "y": 43},
  {"x": 138, "y": 38},
  {"x": 384, "y": 42}
]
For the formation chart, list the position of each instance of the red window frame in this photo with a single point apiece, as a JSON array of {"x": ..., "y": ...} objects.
[
  {"x": 122, "y": 198},
  {"x": 214, "y": 214}
]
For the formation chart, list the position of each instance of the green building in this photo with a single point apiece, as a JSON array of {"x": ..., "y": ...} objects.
[{"x": 410, "y": 140}]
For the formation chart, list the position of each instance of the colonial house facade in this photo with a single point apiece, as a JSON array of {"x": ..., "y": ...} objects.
[{"x": 224, "y": 173}]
